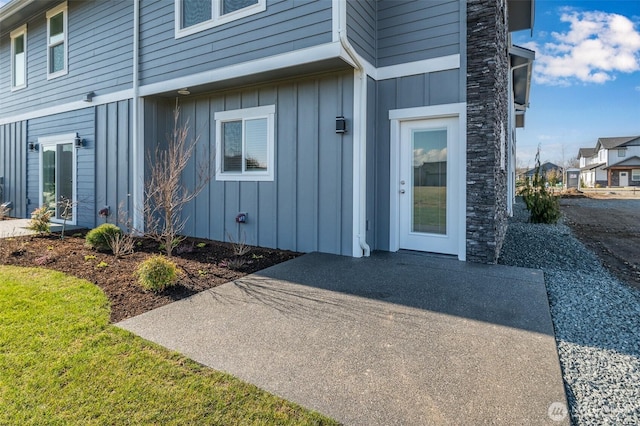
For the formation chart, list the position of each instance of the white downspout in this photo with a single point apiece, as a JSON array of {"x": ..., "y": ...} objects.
[
  {"x": 359, "y": 138},
  {"x": 137, "y": 130}
]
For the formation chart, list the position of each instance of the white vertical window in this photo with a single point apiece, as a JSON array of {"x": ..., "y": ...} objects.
[
  {"x": 197, "y": 15},
  {"x": 245, "y": 144},
  {"x": 19, "y": 58},
  {"x": 57, "y": 41}
]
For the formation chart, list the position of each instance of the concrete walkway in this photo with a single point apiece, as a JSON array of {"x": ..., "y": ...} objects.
[
  {"x": 397, "y": 338},
  {"x": 18, "y": 227},
  {"x": 14, "y": 228}
]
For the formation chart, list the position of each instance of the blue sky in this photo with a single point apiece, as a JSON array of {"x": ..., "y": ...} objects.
[{"x": 586, "y": 78}]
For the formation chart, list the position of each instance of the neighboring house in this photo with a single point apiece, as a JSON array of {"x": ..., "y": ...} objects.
[
  {"x": 614, "y": 162},
  {"x": 88, "y": 87},
  {"x": 548, "y": 170}
]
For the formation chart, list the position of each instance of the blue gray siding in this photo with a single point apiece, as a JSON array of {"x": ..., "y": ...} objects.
[
  {"x": 113, "y": 160},
  {"x": 100, "y": 56},
  {"x": 81, "y": 122},
  {"x": 417, "y": 30},
  {"x": 13, "y": 166},
  {"x": 284, "y": 27},
  {"x": 104, "y": 166},
  {"x": 361, "y": 28},
  {"x": 308, "y": 206},
  {"x": 435, "y": 88}
]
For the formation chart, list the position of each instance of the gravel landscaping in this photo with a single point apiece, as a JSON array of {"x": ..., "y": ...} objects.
[{"x": 596, "y": 319}]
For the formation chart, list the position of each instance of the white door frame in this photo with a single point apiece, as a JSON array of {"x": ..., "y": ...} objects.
[
  {"x": 54, "y": 141},
  {"x": 626, "y": 175},
  {"x": 459, "y": 111}
]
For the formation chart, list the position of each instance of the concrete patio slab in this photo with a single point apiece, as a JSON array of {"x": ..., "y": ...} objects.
[
  {"x": 397, "y": 338},
  {"x": 18, "y": 227}
]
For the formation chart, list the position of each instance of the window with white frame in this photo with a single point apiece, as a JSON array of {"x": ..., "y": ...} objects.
[
  {"x": 622, "y": 152},
  {"x": 19, "y": 58},
  {"x": 197, "y": 15},
  {"x": 57, "y": 41},
  {"x": 245, "y": 144},
  {"x": 635, "y": 175}
]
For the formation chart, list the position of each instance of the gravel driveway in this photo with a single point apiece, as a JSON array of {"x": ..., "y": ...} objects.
[{"x": 596, "y": 319}]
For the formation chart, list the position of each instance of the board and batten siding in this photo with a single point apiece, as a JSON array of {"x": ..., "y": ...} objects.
[
  {"x": 283, "y": 27},
  {"x": 104, "y": 169},
  {"x": 417, "y": 30},
  {"x": 114, "y": 178},
  {"x": 13, "y": 166},
  {"x": 436, "y": 88},
  {"x": 100, "y": 43},
  {"x": 308, "y": 205}
]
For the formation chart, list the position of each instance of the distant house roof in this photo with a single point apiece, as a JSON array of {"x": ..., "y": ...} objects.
[
  {"x": 593, "y": 166},
  {"x": 586, "y": 152},
  {"x": 627, "y": 162},
  {"x": 543, "y": 167},
  {"x": 609, "y": 143}
]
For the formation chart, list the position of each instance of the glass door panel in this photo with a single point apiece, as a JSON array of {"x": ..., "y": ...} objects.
[
  {"x": 57, "y": 179},
  {"x": 49, "y": 177},
  {"x": 65, "y": 181},
  {"x": 429, "y": 181}
]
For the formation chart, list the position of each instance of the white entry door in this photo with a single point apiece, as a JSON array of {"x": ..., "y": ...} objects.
[
  {"x": 428, "y": 185},
  {"x": 624, "y": 178}
]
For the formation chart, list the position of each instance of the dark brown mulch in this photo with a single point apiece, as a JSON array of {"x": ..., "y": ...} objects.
[{"x": 202, "y": 267}]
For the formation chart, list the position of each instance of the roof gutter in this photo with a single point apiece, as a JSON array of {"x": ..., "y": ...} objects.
[{"x": 359, "y": 139}]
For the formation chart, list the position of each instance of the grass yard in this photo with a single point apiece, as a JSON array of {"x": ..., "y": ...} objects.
[
  {"x": 61, "y": 362},
  {"x": 430, "y": 209}
]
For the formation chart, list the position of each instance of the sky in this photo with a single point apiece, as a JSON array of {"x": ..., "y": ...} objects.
[{"x": 586, "y": 77}]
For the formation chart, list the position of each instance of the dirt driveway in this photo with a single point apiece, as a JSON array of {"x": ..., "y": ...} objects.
[{"x": 611, "y": 228}]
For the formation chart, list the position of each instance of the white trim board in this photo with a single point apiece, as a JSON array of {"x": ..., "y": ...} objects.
[
  {"x": 71, "y": 106},
  {"x": 301, "y": 57}
]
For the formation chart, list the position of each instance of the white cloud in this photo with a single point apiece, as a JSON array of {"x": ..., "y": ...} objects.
[
  {"x": 597, "y": 46},
  {"x": 421, "y": 156}
]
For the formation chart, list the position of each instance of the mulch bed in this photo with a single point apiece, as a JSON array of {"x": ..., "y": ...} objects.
[{"x": 202, "y": 267}]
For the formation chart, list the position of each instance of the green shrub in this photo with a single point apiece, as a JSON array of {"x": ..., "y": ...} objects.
[
  {"x": 157, "y": 273},
  {"x": 40, "y": 220},
  {"x": 543, "y": 206},
  {"x": 100, "y": 238}
]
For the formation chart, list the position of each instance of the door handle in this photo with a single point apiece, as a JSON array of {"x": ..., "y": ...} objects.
[{"x": 402, "y": 191}]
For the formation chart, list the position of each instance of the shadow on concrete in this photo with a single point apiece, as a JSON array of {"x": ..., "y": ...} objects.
[{"x": 507, "y": 296}]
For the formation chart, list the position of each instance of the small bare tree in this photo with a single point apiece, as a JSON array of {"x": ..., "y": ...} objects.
[{"x": 165, "y": 193}]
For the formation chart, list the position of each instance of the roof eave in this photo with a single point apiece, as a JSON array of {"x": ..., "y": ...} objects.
[{"x": 521, "y": 14}]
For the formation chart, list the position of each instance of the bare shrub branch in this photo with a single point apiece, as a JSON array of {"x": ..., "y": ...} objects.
[{"x": 165, "y": 194}]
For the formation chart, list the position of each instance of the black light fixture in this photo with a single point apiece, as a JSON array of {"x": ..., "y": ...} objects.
[
  {"x": 78, "y": 142},
  {"x": 341, "y": 125},
  {"x": 88, "y": 97},
  {"x": 33, "y": 147}
]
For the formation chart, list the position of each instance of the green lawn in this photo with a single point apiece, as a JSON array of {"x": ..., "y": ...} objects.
[{"x": 61, "y": 362}]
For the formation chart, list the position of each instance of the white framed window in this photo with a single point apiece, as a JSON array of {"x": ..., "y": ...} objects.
[
  {"x": 19, "y": 58},
  {"x": 192, "y": 16},
  {"x": 245, "y": 144},
  {"x": 622, "y": 152},
  {"x": 57, "y": 43},
  {"x": 635, "y": 175}
]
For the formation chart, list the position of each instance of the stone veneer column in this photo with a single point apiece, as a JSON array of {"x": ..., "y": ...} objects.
[{"x": 487, "y": 120}]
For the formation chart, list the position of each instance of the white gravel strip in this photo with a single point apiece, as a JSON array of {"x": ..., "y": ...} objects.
[{"x": 596, "y": 319}]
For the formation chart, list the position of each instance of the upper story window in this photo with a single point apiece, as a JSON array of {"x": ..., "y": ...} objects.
[
  {"x": 197, "y": 15},
  {"x": 245, "y": 144},
  {"x": 622, "y": 152},
  {"x": 57, "y": 41},
  {"x": 19, "y": 58}
]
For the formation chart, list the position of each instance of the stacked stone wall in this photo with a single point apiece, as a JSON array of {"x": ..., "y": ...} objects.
[{"x": 487, "y": 121}]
